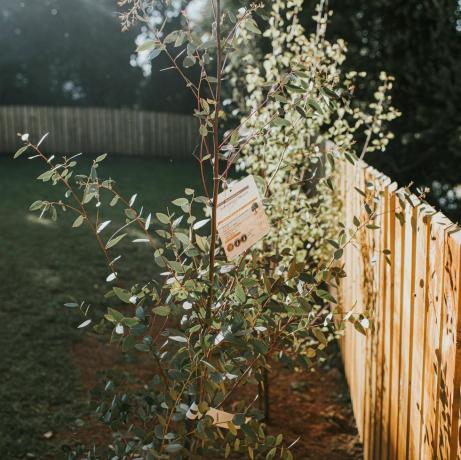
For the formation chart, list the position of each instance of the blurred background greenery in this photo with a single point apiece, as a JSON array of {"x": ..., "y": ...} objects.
[{"x": 71, "y": 52}]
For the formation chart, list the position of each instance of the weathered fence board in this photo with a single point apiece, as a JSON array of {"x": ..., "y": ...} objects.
[
  {"x": 95, "y": 130},
  {"x": 419, "y": 333},
  {"x": 405, "y": 374}
]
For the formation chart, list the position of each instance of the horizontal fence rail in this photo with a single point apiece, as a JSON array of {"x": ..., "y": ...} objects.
[
  {"x": 94, "y": 130},
  {"x": 405, "y": 374}
]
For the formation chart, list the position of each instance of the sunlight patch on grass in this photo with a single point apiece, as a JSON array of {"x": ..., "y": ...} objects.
[
  {"x": 34, "y": 219},
  {"x": 45, "y": 276}
]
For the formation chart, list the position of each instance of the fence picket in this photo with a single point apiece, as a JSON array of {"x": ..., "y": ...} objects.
[
  {"x": 419, "y": 334},
  {"x": 407, "y": 324},
  {"x": 450, "y": 354},
  {"x": 405, "y": 376}
]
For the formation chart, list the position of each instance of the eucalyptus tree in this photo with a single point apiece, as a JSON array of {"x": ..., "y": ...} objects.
[{"x": 211, "y": 325}]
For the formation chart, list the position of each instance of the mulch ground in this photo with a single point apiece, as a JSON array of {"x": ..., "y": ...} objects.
[{"x": 313, "y": 407}]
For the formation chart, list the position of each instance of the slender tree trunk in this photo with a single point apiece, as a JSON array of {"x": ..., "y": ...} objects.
[
  {"x": 214, "y": 229},
  {"x": 267, "y": 417}
]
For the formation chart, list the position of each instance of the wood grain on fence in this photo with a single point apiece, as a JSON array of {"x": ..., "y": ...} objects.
[
  {"x": 95, "y": 130},
  {"x": 405, "y": 374}
]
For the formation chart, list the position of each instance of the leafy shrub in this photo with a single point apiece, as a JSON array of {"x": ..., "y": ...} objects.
[
  {"x": 209, "y": 325},
  {"x": 306, "y": 127}
]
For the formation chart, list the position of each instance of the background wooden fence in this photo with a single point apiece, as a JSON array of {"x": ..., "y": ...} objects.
[
  {"x": 405, "y": 375},
  {"x": 93, "y": 130}
]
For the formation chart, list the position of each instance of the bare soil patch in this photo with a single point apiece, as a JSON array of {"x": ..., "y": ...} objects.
[{"x": 311, "y": 406}]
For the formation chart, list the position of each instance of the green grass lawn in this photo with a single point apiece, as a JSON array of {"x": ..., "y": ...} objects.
[{"x": 44, "y": 264}]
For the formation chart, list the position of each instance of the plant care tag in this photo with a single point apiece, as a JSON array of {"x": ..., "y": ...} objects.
[
  {"x": 242, "y": 221},
  {"x": 220, "y": 418}
]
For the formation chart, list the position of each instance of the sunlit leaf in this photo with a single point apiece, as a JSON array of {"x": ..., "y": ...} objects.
[
  {"x": 20, "y": 151},
  {"x": 78, "y": 221},
  {"x": 101, "y": 158},
  {"x": 163, "y": 218},
  {"x": 200, "y": 224},
  {"x": 84, "y": 324},
  {"x": 71, "y": 305},
  {"x": 250, "y": 24},
  {"x": 315, "y": 105},
  {"x": 132, "y": 200},
  {"x": 178, "y": 338},
  {"x": 112, "y": 242},
  {"x": 147, "y": 224},
  {"x": 122, "y": 294},
  {"x": 111, "y": 277},
  {"x": 42, "y": 139},
  {"x": 180, "y": 202},
  {"x": 103, "y": 226}
]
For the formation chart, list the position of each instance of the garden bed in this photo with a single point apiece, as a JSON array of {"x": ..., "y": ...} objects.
[
  {"x": 313, "y": 407},
  {"x": 50, "y": 366}
]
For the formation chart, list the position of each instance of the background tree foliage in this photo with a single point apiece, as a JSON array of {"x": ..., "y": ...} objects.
[
  {"x": 51, "y": 61},
  {"x": 419, "y": 43},
  {"x": 71, "y": 52}
]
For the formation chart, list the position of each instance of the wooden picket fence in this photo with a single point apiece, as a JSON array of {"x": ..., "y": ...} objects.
[
  {"x": 405, "y": 374},
  {"x": 94, "y": 130}
]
